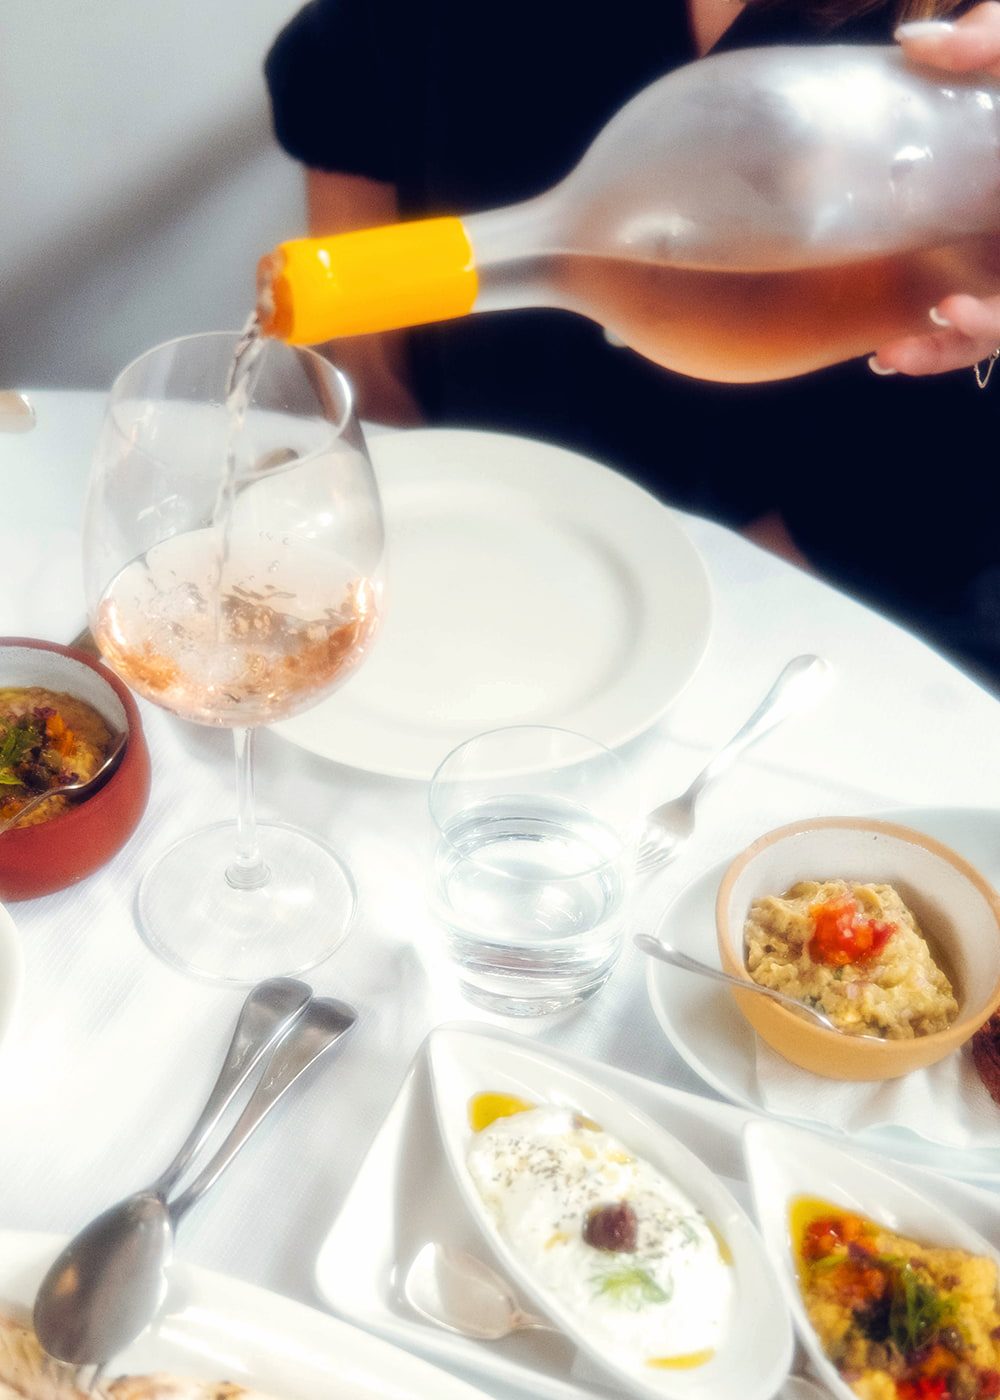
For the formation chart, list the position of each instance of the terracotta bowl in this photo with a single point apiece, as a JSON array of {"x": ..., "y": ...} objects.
[
  {"x": 957, "y": 910},
  {"x": 40, "y": 859}
]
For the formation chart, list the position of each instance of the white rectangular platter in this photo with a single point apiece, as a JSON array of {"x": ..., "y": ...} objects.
[{"x": 405, "y": 1195}]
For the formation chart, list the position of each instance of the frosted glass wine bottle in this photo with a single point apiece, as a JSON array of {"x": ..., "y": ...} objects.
[{"x": 752, "y": 216}]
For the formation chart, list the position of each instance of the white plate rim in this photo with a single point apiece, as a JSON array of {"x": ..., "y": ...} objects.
[
  {"x": 339, "y": 1351},
  {"x": 894, "y": 1145},
  {"x": 666, "y": 554}
]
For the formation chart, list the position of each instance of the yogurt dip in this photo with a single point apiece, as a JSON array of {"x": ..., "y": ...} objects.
[{"x": 615, "y": 1243}]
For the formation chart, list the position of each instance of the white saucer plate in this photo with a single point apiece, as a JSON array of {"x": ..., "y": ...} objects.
[
  {"x": 405, "y": 1194},
  {"x": 525, "y": 585},
  {"x": 703, "y": 1024},
  {"x": 784, "y": 1164},
  {"x": 216, "y": 1328}
]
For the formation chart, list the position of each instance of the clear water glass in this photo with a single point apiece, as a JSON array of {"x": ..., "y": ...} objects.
[{"x": 536, "y": 831}]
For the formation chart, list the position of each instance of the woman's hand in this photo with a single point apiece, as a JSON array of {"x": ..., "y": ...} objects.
[{"x": 967, "y": 328}]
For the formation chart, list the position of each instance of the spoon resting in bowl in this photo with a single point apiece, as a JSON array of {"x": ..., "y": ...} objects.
[
  {"x": 460, "y": 1293},
  {"x": 656, "y": 948},
  {"x": 79, "y": 787}
]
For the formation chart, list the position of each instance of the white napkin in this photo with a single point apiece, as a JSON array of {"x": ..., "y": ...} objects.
[{"x": 944, "y": 1104}]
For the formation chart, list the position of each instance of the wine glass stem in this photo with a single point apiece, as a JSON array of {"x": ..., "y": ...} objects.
[{"x": 248, "y": 871}]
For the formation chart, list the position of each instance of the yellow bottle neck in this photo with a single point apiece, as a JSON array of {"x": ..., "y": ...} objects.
[{"x": 317, "y": 289}]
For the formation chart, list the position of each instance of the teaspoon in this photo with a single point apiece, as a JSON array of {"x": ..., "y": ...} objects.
[
  {"x": 110, "y": 1280},
  {"x": 656, "y": 948},
  {"x": 460, "y": 1293},
  {"x": 79, "y": 787}
]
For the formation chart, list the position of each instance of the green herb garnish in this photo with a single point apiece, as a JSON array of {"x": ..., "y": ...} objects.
[
  {"x": 916, "y": 1311},
  {"x": 17, "y": 740},
  {"x": 631, "y": 1286}
]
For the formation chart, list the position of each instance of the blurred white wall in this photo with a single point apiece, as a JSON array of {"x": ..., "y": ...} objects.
[{"x": 139, "y": 180}]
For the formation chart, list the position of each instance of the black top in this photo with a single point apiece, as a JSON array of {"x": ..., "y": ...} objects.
[{"x": 890, "y": 485}]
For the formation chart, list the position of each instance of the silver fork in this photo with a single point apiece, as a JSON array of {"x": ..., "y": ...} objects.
[{"x": 799, "y": 686}]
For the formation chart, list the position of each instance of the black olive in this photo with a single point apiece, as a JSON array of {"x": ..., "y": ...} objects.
[{"x": 613, "y": 1228}]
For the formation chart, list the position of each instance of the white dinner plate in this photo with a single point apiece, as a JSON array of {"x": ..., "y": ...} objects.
[
  {"x": 217, "y": 1328},
  {"x": 707, "y": 1030},
  {"x": 11, "y": 972},
  {"x": 525, "y": 585}
]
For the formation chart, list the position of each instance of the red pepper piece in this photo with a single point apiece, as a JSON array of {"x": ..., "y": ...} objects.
[{"x": 841, "y": 936}]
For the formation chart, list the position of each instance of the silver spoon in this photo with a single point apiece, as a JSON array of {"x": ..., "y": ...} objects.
[
  {"x": 79, "y": 788},
  {"x": 16, "y": 412},
  {"x": 110, "y": 1280},
  {"x": 799, "y": 686},
  {"x": 656, "y": 948},
  {"x": 460, "y": 1293},
  {"x": 268, "y": 1012}
]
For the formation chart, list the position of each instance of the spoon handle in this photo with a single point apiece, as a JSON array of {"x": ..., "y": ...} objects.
[
  {"x": 531, "y": 1322},
  {"x": 27, "y": 807},
  {"x": 655, "y": 949},
  {"x": 270, "y": 1010},
  {"x": 323, "y": 1023},
  {"x": 800, "y": 684}
]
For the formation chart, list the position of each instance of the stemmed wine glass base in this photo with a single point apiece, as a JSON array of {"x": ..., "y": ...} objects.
[{"x": 196, "y": 920}]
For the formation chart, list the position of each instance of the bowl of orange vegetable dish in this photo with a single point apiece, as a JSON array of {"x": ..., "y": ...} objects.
[
  {"x": 60, "y": 714},
  {"x": 894, "y": 936},
  {"x": 899, "y": 1319}
]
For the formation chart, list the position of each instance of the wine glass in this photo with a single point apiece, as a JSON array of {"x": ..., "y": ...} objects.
[{"x": 233, "y": 547}]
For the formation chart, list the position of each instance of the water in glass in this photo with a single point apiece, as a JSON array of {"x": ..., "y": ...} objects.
[{"x": 531, "y": 893}]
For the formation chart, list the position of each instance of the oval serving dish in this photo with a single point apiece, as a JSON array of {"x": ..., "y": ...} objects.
[
  {"x": 755, "y": 1352},
  {"x": 787, "y": 1164},
  {"x": 38, "y": 860}
]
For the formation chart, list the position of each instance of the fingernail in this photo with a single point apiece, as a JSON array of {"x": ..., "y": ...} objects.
[
  {"x": 924, "y": 29},
  {"x": 935, "y": 316},
  {"x": 876, "y": 368}
]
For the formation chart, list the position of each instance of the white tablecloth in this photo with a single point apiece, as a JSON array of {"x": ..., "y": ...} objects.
[{"x": 113, "y": 1053}]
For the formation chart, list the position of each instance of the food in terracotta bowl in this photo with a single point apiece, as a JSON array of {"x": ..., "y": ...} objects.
[
  {"x": 891, "y": 934},
  {"x": 854, "y": 951},
  {"x": 60, "y": 714},
  {"x": 50, "y": 743}
]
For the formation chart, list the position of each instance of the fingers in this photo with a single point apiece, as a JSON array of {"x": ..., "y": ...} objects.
[
  {"x": 968, "y": 330},
  {"x": 968, "y": 45}
]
